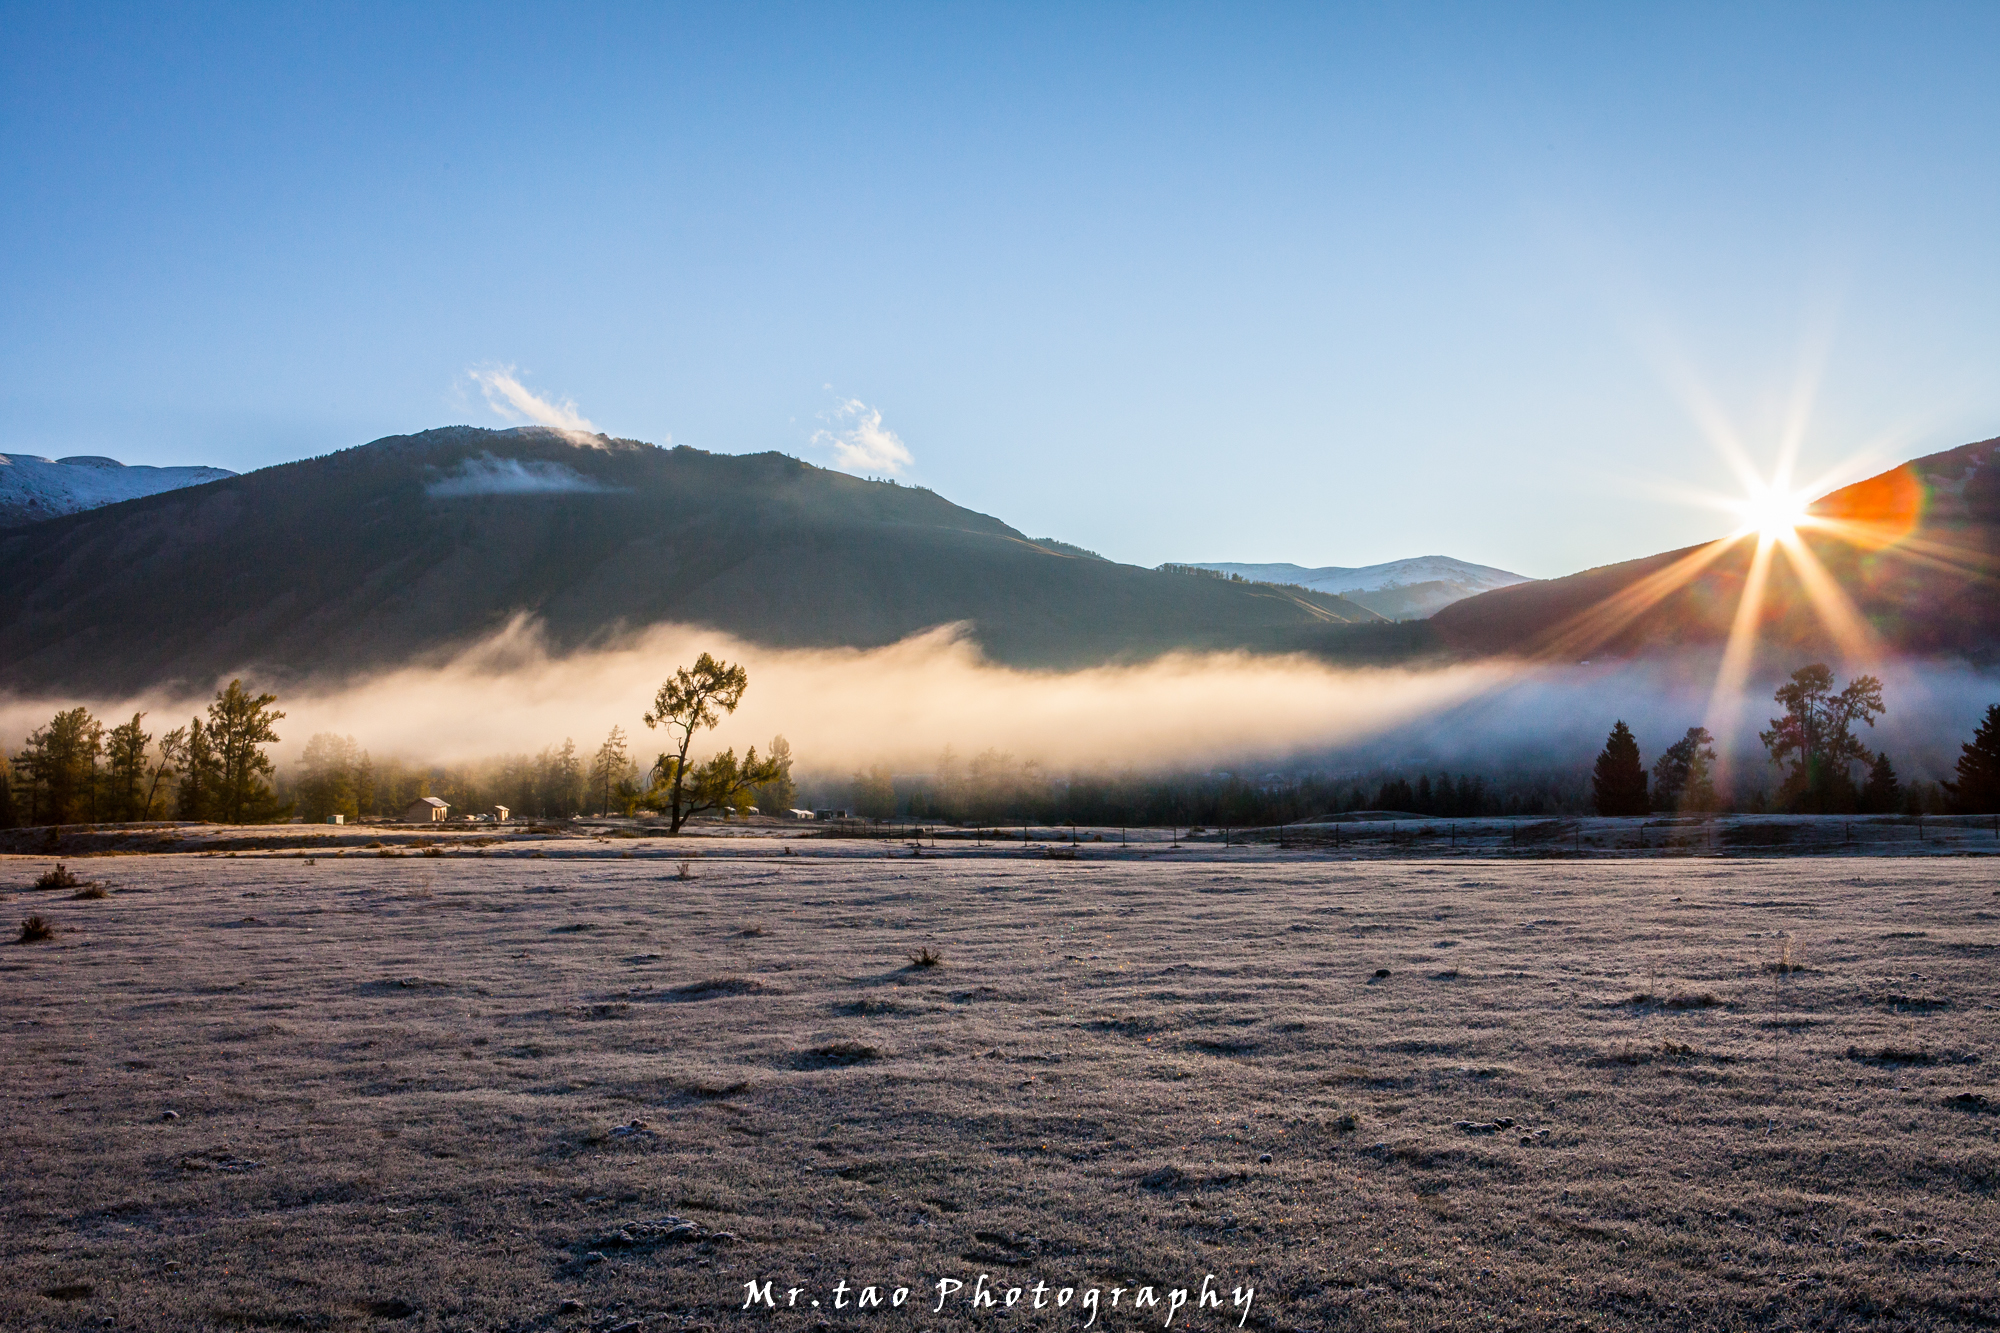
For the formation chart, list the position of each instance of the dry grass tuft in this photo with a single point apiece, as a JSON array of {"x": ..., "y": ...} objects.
[
  {"x": 752, "y": 932},
  {"x": 62, "y": 877},
  {"x": 1789, "y": 959},
  {"x": 925, "y": 957},
  {"x": 91, "y": 891},
  {"x": 715, "y": 987},
  {"x": 34, "y": 928},
  {"x": 683, "y": 870}
]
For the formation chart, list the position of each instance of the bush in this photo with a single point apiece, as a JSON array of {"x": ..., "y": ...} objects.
[
  {"x": 62, "y": 877},
  {"x": 34, "y": 928}
]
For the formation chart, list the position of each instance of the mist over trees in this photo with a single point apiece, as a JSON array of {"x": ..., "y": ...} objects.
[
  {"x": 74, "y": 770},
  {"x": 1815, "y": 737}
]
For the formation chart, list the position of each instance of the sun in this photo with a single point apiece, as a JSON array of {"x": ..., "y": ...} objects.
[{"x": 1774, "y": 513}]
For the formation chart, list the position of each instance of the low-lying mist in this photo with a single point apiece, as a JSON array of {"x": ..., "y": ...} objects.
[{"x": 901, "y": 705}]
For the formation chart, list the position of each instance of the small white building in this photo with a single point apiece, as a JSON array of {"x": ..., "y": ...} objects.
[
  {"x": 426, "y": 810},
  {"x": 800, "y": 814},
  {"x": 336, "y": 819},
  {"x": 501, "y": 814}
]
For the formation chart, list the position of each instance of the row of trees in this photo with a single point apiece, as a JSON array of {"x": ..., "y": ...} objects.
[
  {"x": 1814, "y": 744},
  {"x": 77, "y": 770}
]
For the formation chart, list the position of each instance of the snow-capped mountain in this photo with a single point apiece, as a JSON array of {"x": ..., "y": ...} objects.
[
  {"x": 1401, "y": 589},
  {"x": 32, "y": 489}
]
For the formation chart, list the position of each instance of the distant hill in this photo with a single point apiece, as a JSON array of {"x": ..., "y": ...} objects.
[
  {"x": 408, "y": 546},
  {"x": 1400, "y": 590},
  {"x": 1915, "y": 551},
  {"x": 33, "y": 489}
]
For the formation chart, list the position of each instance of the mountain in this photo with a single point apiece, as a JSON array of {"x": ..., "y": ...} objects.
[
  {"x": 1399, "y": 590},
  {"x": 1903, "y": 562},
  {"x": 33, "y": 489},
  {"x": 409, "y": 546}
]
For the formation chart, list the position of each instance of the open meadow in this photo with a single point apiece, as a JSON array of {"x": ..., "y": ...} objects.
[{"x": 605, "y": 1084}]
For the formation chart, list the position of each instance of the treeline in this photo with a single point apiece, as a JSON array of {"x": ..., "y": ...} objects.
[
  {"x": 77, "y": 770},
  {"x": 335, "y": 776},
  {"x": 1826, "y": 768},
  {"x": 997, "y": 788}
]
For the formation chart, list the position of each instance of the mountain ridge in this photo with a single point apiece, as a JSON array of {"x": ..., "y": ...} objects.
[
  {"x": 1409, "y": 589},
  {"x": 409, "y": 546},
  {"x": 34, "y": 489}
]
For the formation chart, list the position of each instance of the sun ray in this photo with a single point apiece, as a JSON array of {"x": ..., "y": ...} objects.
[
  {"x": 1725, "y": 701},
  {"x": 1590, "y": 628},
  {"x": 1836, "y": 609}
]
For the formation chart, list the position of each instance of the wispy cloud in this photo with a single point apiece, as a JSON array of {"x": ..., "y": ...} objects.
[
  {"x": 859, "y": 441},
  {"x": 515, "y": 401},
  {"x": 487, "y": 475}
]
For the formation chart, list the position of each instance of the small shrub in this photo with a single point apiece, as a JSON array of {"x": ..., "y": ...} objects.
[
  {"x": 62, "y": 877},
  {"x": 836, "y": 1055},
  {"x": 34, "y": 928},
  {"x": 1701, "y": 1000},
  {"x": 925, "y": 957},
  {"x": 751, "y": 932},
  {"x": 90, "y": 891},
  {"x": 683, "y": 870}
]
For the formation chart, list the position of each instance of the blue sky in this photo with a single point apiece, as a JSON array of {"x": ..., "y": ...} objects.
[{"x": 1238, "y": 282}]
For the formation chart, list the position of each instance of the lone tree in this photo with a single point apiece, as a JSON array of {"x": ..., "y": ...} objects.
[
  {"x": 1816, "y": 736},
  {"x": 1619, "y": 783},
  {"x": 1683, "y": 777},
  {"x": 1977, "y": 791},
  {"x": 687, "y": 703}
]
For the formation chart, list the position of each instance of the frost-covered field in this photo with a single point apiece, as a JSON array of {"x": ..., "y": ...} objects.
[{"x": 465, "y": 1091}]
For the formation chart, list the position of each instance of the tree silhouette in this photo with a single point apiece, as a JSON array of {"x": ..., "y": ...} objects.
[
  {"x": 1884, "y": 794},
  {"x": 1977, "y": 791},
  {"x": 1816, "y": 736},
  {"x": 1618, "y": 784}
]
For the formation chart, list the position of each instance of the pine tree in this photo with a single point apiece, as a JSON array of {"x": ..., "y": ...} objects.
[
  {"x": 781, "y": 794},
  {"x": 201, "y": 774},
  {"x": 239, "y": 726},
  {"x": 1884, "y": 794},
  {"x": 607, "y": 769},
  {"x": 1977, "y": 791},
  {"x": 126, "y": 750},
  {"x": 1618, "y": 785}
]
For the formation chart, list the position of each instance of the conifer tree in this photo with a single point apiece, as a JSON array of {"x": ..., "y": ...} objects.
[
  {"x": 1618, "y": 785},
  {"x": 1977, "y": 791},
  {"x": 1884, "y": 793},
  {"x": 126, "y": 751}
]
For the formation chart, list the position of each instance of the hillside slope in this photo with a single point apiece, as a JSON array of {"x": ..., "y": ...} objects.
[
  {"x": 412, "y": 545},
  {"x": 1913, "y": 550}
]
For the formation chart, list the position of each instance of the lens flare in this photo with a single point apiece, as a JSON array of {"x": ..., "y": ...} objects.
[{"x": 1773, "y": 514}]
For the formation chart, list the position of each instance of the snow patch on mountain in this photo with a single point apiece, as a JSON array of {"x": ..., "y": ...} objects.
[
  {"x": 33, "y": 489},
  {"x": 1401, "y": 589}
]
